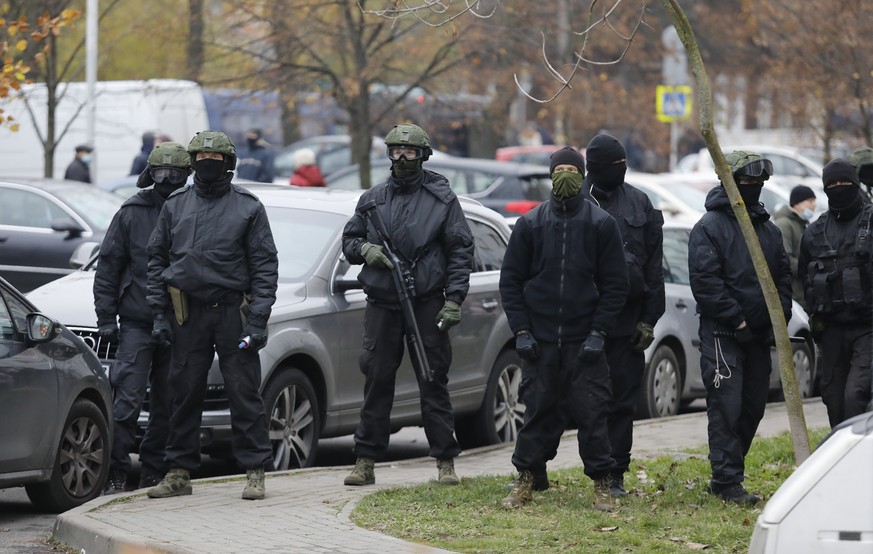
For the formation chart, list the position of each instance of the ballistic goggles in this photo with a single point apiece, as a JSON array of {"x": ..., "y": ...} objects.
[
  {"x": 172, "y": 175},
  {"x": 762, "y": 168},
  {"x": 409, "y": 152}
]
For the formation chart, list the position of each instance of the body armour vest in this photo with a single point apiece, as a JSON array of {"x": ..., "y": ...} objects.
[{"x": 839, "y": 281}]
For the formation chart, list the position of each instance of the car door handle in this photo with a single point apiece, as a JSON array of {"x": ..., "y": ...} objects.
[
  {"x": 3, "y": 238},
  {"x": 489, "y": 304},
  {"x": 681, "y": 304}
]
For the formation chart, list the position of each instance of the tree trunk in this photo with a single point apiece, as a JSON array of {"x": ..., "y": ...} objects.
[
  {"x": 796, "y": 419},
  {"x": 51, "y": 91},
  {"x": 361, "y": 133},
  {"x": 195, "y": 40}
]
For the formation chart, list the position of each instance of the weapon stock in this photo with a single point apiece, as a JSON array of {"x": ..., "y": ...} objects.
[{"x": 405, "y": 285}]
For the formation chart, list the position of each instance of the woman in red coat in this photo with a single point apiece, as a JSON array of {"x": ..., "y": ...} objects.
[{"x": 306, "y": 173}]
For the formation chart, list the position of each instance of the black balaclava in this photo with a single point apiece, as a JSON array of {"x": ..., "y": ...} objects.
[
  {"x": 751, "y": 193},
  {"x": 604, "y": 174},
  {"x": 209, "y": 170},
  {"x": 844, "y": 200}
]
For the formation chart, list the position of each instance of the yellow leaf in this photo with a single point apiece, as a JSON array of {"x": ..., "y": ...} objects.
[
  {"x": 14, "y": 127},
  {"x": 21, "y": 45}
]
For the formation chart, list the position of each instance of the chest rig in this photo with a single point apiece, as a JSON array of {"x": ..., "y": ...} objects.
[{"x": 841, "y": 279}]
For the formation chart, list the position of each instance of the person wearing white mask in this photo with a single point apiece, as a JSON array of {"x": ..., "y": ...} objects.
[{"x": 792, "y": 220}]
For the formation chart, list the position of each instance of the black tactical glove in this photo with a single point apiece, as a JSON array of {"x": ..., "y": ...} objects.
[
  {"x": 162, "y": 332},
  {"x": 643, "y": 337},
  {"x": 108, "y": 332},
  {"x": 145, "y": 178},
  {"x": 816, "y": 327},
  {"x": 592, "y": 348},
  {"x": 526, "y": 346},
  {"x": 253, "y": 337},
  {"x": 744, "y": 335},
  {"x": 374, "y": 255}
]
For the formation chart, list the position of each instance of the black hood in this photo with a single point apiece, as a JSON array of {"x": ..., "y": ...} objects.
[{"x": 717, "y": 200}]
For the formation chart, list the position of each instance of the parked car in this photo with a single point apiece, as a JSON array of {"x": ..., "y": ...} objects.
[
  {"x": 311, "y": 384},
  {"x": 826, "y": 505},
  {"x": 792, "y": 167},
  {"x": 126, "y": 186},
  {"x": 536, "y": 155},
  {"x": 508, "y": 188},
  {"x": 332, "y": 152},
  {"x": 672, "y": 376},
  {"x": 55, "y": 406},
  {"x": 47, "y": 225},
  {"x": 676, "y": 200}
]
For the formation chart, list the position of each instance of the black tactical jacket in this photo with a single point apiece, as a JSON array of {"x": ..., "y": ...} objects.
[
  {"x": 428, "y": 229},
  {"x": 122, "y": 269},
  {"x": 214, "y": 243},
  {"x": 722, "y": 276}
]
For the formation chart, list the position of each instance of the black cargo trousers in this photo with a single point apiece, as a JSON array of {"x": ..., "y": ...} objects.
[
  {"x": 737, "y": 381},
  {"x": 216, "y": 327},
  {"x": 847, "y": 355},
  {"x": 140, "y": 364},
  {"x": 383, "y": 346},
  {"x": 626, "y": 368},
  {"x": 565, "y": 387}
]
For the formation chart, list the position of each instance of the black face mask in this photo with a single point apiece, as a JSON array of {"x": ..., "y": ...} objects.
[
  {"x": 606, "y": 177},
  {"x": 750, "y": 194},
  {"x": 166, "y": 189},
  {"x": 209, "y": 170},
  {"x": 843, "y": 197},
  {"x": 252, "y": 142}
]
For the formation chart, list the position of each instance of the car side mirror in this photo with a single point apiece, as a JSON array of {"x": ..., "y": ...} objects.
[
  {"x": 41, "y": 328},
  {"x": 67, "y": 225},
  {"x": 83, "y": 254},
  {"x": 346, "y": 277}
]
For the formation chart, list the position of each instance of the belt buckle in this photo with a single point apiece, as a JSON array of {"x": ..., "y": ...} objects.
[{"x": 214, "y": 305}]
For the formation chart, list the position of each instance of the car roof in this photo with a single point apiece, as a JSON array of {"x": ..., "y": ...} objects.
[
  {"x": 453, "y": 162},
  {"x": 48, "y": 185}
]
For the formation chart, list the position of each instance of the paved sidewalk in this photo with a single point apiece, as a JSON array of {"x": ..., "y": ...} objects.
[{"x": 308, "y": 510}]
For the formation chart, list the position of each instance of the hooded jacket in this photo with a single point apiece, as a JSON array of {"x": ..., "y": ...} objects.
[
  {"x": 564, "y": 272},
  {"x": 723, "y": 279},
  {"x": 214, "y": 242},
  {"x": 429, "y": 231},
  {"x": 122, "y": 269},
  {"x": 642, "y": 233}
]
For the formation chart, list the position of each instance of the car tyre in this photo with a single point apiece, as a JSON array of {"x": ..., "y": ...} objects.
[
  {"x": 294, "y": 417},
  {"x": 81, "y": 465},
  {"x": 804, "y": 362},
  {"x": 662, "y": 385},
  {"x": 502, "y": 413}
]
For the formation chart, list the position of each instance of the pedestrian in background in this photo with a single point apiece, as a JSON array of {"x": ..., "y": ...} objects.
[
  {"x": 429, "y": 232},
  {"x": 641, "y": 228},
  {"x": 142, "y": 159},
  {"x": 120, "y": 295},
  {"x": 256, "y": 160},
  {"x": 563, "y": 283},
  {"x": 80, "y": 169},
  {"x": 835, "y": 266},
  {"x": 212, "y": 279},
  {"x": 306, "y": 172},
  {"x": 735, "y": 329},
  {"x": 792, "y": 221}
]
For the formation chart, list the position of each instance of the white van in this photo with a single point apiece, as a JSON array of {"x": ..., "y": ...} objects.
[{"x": 124, "y": 111}]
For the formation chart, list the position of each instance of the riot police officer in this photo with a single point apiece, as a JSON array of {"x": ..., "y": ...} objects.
[
  {"x": 120, "y": 293},
  {"x": 835, "y": 267},
  {"x": 735, "y": 328},
  {"x": 642, "y": 235},
  {"x": 429, "y": 233},
  {"x": 204, "y": 304}
]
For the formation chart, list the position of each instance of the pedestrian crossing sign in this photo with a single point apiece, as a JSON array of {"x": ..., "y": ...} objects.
[{"x": 673, "y": 103}]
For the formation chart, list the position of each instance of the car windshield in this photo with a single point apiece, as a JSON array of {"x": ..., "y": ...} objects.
[
  {"x": 302, "y": 238},
  {"x": 690, "y": 196},
  {"x": 95, "y": 205}
]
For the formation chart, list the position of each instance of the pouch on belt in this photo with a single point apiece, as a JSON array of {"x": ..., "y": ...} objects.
[{"x": 180, "y": 304}]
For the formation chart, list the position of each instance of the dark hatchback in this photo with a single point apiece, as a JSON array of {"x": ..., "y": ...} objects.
[
  {"x": 55, "y": 406},
  {"x": 510, "y": 189},
  {"x": 47, "y": 225}
]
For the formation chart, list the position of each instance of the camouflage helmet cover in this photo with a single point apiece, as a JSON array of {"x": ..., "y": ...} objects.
[
  {"x": 408, "y": 134},
  {"x": 170, "y": 154},
  {"x": 213, "y": 141},
  {"x": 738, "y": 159},
  {"x": 862, "y": 156}
]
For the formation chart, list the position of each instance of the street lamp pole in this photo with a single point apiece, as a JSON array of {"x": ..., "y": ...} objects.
[{"x": 91, "y": 77}]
